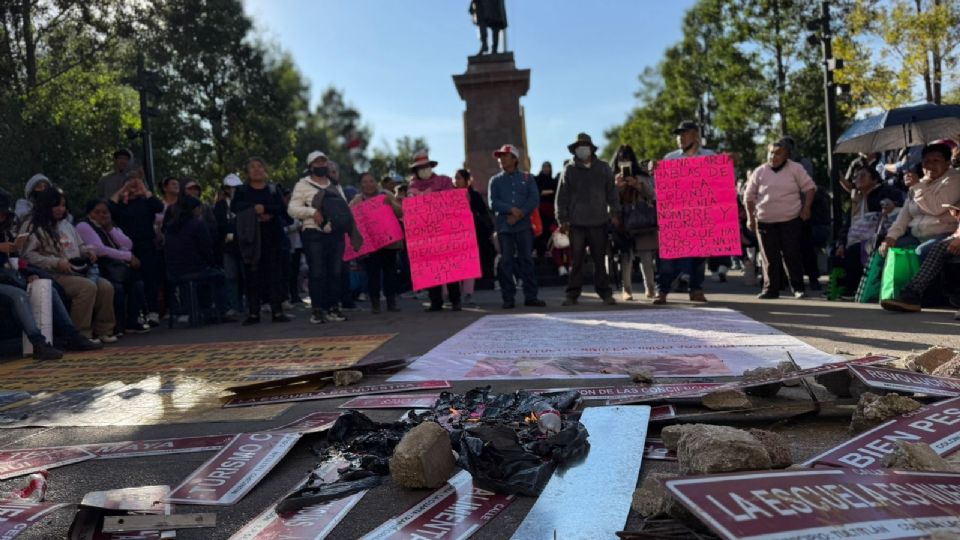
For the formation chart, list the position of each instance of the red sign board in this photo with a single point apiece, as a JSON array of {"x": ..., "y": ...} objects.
[
  {"x": 233, "y": 472},
  {"x": 738, "y": 385},
  {"x": 662, "y": 412},
  {"x": 16, "y": 517},
  {"x": 655, "y": 449},
  {"x": 28, "y": 460},
  {"x": 899, "y": 380},
  {"x": 311, "y": 423},
  {"x": 309, "y": 523},
  {"x": 455, "y": 512},
  {"x": 334, "y": 393},
  {"x": 136, "y": 499},
  {"x": 158, "y": 447},
  {"x": 823, "y": 503},
  {"x": 420, "y": 401},
  {"x": 937, "y": 425}
]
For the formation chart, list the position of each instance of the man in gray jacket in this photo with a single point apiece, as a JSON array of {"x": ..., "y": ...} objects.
[{"x": 586, "y": 201}]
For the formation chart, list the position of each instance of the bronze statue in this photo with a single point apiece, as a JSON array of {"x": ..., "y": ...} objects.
[{"x": 490, "y": 14}]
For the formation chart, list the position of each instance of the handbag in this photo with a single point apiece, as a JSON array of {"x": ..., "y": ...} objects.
[
  {"x": 114, "y": 271},
  {"x": 560, "y": 240},
  {"x": 901, "y": 266},
  {"x": 639, "y": 218},
  {"x": 537, "y": 222}
]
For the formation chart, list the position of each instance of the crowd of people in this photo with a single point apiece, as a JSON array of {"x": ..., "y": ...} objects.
[{"x": 131, "y": 254}]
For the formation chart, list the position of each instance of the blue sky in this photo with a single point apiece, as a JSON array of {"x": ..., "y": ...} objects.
[{"x": 394, "y": 59}]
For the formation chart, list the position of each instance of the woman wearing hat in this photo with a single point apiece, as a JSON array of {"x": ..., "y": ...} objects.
[
  {"x": 426, "y": 181},
  {"x": 228, "y": 243}
]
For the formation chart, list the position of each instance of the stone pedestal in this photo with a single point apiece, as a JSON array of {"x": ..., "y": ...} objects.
[{"x": 492, "y": 88}]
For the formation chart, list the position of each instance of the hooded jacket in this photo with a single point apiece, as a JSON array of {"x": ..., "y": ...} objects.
[
  {"x": 25, "y": 205},
  {"x": 587, "y": 196},
  {"x": 923, "y": 214},
  {"x": 301, "y": 202}
]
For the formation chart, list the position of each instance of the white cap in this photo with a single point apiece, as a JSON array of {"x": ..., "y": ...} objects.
[
  {"x": 232, "y": 180},
  {"x": 315, "y": 155}
]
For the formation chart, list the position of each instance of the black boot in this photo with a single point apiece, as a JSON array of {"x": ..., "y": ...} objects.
[
  {"x": 375, "y": 304},
  {"x": 45, "y": 351},
  {"x": 392, "y": 304}
]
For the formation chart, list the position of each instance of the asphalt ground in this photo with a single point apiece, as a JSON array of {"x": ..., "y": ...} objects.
[{"x": 834, "y": 327}]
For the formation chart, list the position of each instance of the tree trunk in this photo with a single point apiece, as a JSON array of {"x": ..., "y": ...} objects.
[
  {"x": 937, "y": 66},
  {"x": 30, "y": 59},
  {"x": 781, "y": 70},
  {"x": 926, "y": 63}
]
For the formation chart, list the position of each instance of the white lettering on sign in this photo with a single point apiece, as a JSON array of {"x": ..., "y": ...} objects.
[{"x": 227, "y": 469}]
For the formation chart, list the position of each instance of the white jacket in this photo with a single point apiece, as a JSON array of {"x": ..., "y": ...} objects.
[
  {"x": 923, "y": 214},
  {"x": 301, "y": 202}
]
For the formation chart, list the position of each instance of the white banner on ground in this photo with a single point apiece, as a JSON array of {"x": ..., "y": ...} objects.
[{"x": 701, "y": 342}]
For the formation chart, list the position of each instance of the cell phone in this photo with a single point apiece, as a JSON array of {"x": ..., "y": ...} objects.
[{"x": 626, "y": 171}]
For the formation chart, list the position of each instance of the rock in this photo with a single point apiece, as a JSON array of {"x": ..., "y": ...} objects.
[
  {"x": 708, "y": 449},
  {"x": 725, "y": 400},
  {"x": 934, "y": 357},
  {"x": 670, "y": 435},
  {"x": 346, "y": 377},
  {"x": 836, "y": 382},
  {"x": 776, "y": 446},
  {"x": 642, "y": 376},
  {"x": 949, "y": 369},
  {"x": 423, "y": 458},
  {"x": 789, "y": 367},
  {"x": 762, "y": 373},
  {"x": 915, "y": 457},
  {"x": 652, "y": 499},
  {"x": 873, "y": 410}
]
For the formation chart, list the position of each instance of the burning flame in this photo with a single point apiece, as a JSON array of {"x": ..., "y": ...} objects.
[{"x": 532, "y": 419}]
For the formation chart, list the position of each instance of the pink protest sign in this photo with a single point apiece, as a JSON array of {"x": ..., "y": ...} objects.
[
  {"x": 378, "y": 226},
  {"x": 441, "y": 240},
  {"x": 697, "y": 207}
]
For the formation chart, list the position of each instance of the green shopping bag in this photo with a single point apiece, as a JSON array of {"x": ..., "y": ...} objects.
[
  {"x": 871, "y": 282},
  {"x": 900, "y": 267}
]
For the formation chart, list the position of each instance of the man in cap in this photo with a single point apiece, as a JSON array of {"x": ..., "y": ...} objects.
[
  {"x": 322, "y": 246},
  {"x": 425, "y": 180},
  {"x": 688, "y": 143},
  {"x": 111, "y": 182},
  {"x": 227, "y": 239},
  {"x": 513, "y": 196},
  {"x": 587, "y": 200}
]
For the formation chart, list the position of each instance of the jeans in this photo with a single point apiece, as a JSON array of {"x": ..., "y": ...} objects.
[
  {"x": 669, "y": 269},
  {"x": 516, "y": 248},
  {"x": 127, "y": 303},
  {"x": 596, "y": 239},
  {"x": 381, "y": 267},
  {"x": 23, "y": 313},
  {"x": 324, "y": 252},
  {"x": 151, "y": 273},
  {"x": 233, "y": 275}
]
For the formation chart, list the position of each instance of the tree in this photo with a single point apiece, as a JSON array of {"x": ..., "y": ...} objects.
[
  {"x": 395, "y": 162},
  {"x": 334, "y": 127}
]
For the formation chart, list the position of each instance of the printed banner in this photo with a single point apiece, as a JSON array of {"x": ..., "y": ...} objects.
[
  {"x": 835, "y": 503},
  {"x": 378, "y": 226},
  {"x": 899, "y": 380},
  {"x": 16, "y": 517},
  {"x": 425, "y": 401},
  {"x": 29, "y": 460},
  {"x": 441, "y": 239},
  {"x": 705, "y": 342},
  {"x": 235, "y": 470},
  {"x": 697, "y": 207},
  {"x": 603, "y": 393},
  {"x": 936, "y": 425},
  {"x": 337, "y": 392},
  {"x": 454, "y": 511}
]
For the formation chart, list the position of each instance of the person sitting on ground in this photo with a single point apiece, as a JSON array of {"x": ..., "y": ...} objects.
[
  {"x": 54, "y": 245},
  {"x": 117, "y": 263},
  {"x": 923, "y": 221},
  {"x": 189, "y": 253},
  {"x": 37, "y": 184},
  {"x": 911, "y": 294}
]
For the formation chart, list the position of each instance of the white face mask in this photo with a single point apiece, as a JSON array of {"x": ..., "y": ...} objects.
[
  {"x": 424, "y": 172},
  {"x": 583, "y": 153}
]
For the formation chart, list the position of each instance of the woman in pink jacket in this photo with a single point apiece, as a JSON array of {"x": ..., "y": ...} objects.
[{"x": 117, "y": 263}]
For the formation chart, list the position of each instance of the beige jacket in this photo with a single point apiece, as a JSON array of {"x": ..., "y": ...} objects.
[
  {"x": 923, "y": 214},
  {"x": 301, "y": 207}
]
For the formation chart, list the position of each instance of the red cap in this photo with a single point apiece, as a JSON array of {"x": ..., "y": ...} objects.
[{"x": 507, "y": 149}]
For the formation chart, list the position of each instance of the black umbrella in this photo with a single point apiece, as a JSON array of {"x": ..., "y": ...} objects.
[{"x": 900, "y": 128}]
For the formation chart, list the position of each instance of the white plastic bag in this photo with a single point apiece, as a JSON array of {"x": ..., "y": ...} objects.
[
  {"x": 560, "y": 240},
  {"x": 40, "y": 292}
]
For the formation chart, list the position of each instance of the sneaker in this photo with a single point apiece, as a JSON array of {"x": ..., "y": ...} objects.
[
  {"x": 660, "y": 300},
  {"x": 456, "y": 306},
  {"x": 79, "y": 343},
  {"x": 362, "y": 297},
  {"x": 722, "y": 277},
  {"x": 334, "y": 315},
  {"x": 562, "y": 271},
  {"x": 697, "y": 296},
  {"x": 286, "y": 305},
  {"x": 627, "y": 297},
  {"x": 799, "y": 295},
  {"x": 534, "y": 302},
  {"x": 153, "y": 318},
  {"x": 109, "y": 338},
  {"x": 138, "y": 328},
  {"x": 901, "y": 305},
  {"x": 569, "y": 301},
  {"x": 509, "y": 304},
  {"x": 316, "y": 317},
  {"x": 609, "y": 301},
  {"x": 434, "y": 307},
  {"x": 45, "y": 351},
  {"x": 768, "y": 295}
]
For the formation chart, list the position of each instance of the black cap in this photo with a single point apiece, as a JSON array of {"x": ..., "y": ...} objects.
[{"x": 686, "y": 125}]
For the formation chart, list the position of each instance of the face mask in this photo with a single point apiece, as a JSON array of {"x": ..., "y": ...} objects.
[
  {"x": 583, "y": 153},
  {"x": 320, "y": 171},
  {"x": 425, "y": 173}
]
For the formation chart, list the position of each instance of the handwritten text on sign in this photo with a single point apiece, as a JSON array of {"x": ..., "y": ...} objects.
[
  {"x": 441, "y": 240},
  {"x": 697, "y": 207},
  {"x": 377, "y": 224}
]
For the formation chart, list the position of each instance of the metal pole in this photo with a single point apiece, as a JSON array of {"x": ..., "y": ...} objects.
[
  {"x": 146, "y": 137},
  {"x": 830, "y": 96}
]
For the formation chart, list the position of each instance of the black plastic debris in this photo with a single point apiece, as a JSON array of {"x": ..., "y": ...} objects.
[{"x": 312, "y": 494}]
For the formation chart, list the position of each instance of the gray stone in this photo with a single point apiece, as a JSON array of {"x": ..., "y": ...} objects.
[
  {"x": 423, "y": 458},
  {"x": 778, "y": 449},
  {"x": 347, "y": 377},
  {"x": 708, "y": 449},
  {"x": 836, "y": 382},
  {"x": 934, "y": 357},
  {"x": 916, "y": 457},
  {"x": 725, "y": 400},
  {"x": 642, "y": 375},
  {"x": 762, "y": 373},
  {"x": 949, "y": 369},
  {"x": 670, "y": 435},
  {"x": 652, "y": 499},
  {"x": 872, "y": 410},
  {"x": 788, "y": 367}
]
